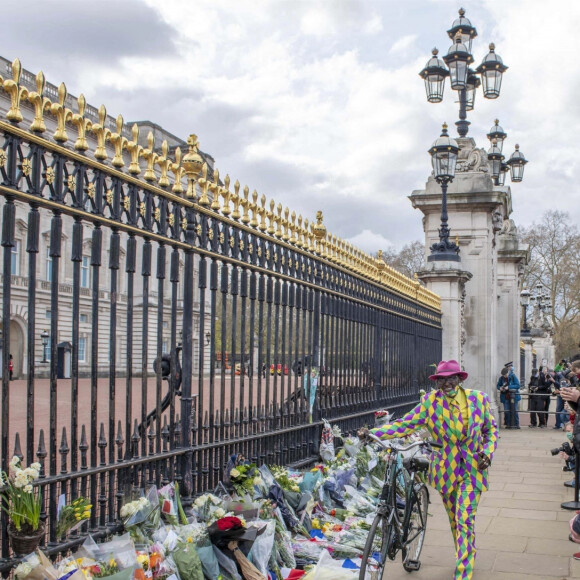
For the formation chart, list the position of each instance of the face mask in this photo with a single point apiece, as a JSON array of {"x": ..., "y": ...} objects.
[
  {"x": 451, "y": 393},
  {"x": 570, "y": 436}
]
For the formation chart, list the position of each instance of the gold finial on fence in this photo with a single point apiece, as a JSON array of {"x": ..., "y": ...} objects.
[
  {"x": 38, "y": 101},
  {"x": 278, "y": 221},
  {"x": 118, "y": 142},
  {"x": 380, "y": 262},
  {"x": 61, "y": 113},
  {"x": 246, "y": 204},
  {"x": 82, "y": 124},
  {"x": 215, "y": 190},
  {"x": 270, "y": 230},
  {"x": 237, "y": 202},
  {"x": 298, "y": 233},
  {"x": 263, "y": 226},
  {"x": 164, "y": 163},
  {"x": 178, "y": 172},
  {"x": 293, "y": 228},
  {"x": 319, "y": 229},
  {"x": 204, "y": 184},
  {"x": 135, "y": 150},
  {"x": 16, "y": 92},
  {"x": 226, "y": 194},
  {"x": 286, "y": 225},
  {"x": 254, "y": 207},
  {"x": 102, "y": 134},
  {"x": 192, "y": 164}
]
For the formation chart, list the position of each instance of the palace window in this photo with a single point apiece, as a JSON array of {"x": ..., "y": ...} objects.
[
  {"x": 85, "y": 272},
  {"x": 15, "y": 265},
  {"x": 82, "y": 349}
]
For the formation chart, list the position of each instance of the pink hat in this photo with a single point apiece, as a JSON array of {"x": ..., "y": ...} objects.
[{"x": 448, "y": 368}]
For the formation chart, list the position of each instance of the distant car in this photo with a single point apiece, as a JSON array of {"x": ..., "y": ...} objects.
[{"x": 278, "y": 369}]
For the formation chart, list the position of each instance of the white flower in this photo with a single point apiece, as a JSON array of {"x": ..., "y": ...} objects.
[
  {"x": 28, "y": 488},
  {"x": 234, "y": 473},
  {"x": 35, "y": 466},
  {"x": 199, "y": 502},
  {"x": 214, "y": 499},
  {"x": 23, "y": 570},
  {"x": 219, "y": 513},
  {"x": 14, "y": 462}
]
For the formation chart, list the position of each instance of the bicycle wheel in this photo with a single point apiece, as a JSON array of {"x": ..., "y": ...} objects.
[
  {"x": 377, "y": 546},
  {"x": 416, "y": 527}
]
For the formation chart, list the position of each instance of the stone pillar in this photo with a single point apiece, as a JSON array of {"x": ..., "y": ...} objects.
[
  {"x": 528, "y": 348},
  {"x": 447, "y": 279},
  {"x": 478, "y": 213}
]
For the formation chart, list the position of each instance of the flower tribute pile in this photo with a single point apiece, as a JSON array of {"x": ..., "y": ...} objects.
[{"x": 263, "y": 522}]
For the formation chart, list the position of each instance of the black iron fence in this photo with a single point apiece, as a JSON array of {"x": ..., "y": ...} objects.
[{"x": 127, "y": 266}]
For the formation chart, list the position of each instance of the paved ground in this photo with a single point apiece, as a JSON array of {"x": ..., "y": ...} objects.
[{"x": 522, "y": 532}]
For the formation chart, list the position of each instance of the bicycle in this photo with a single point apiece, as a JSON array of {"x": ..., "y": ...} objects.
[{"x": 401, "y": 516}]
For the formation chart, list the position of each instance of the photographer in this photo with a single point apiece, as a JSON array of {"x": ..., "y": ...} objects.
[
  {"x": 509, "y": 387},
  {"x": 570, "y": 393},
  {"x": 543, "y": 392}
]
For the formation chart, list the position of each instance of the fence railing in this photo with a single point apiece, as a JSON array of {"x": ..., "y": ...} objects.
[{"x": 201, "y": 270}]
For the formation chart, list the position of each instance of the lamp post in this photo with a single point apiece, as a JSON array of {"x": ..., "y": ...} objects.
[
  {"x": 444, "y": 158},
  {"x": 464, "y": 80},
  {"x": 44, "y": 337},
  {"x": 525, "y": 301},
  {"x": 499, "y": 169},
  {"x": 207, "y": 338}
]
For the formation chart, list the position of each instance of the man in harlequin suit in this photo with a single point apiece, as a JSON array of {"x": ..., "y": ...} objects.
[{"x": 460, "y": 419}]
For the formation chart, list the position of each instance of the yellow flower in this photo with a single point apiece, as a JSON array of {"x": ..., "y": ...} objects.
[
  {"x": 112, "y": 563},
  {"x": 143, "y": 559},
  {"x": 316, "y": 523},
  {"x": 87, "y": 514},
  {"x": 189, "y": 540}
]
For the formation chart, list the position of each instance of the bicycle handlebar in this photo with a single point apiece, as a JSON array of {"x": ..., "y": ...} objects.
[{"x": 400, "y": 448}]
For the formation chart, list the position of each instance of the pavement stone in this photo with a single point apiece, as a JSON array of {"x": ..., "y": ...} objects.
[{"x": 521, "y": 530}]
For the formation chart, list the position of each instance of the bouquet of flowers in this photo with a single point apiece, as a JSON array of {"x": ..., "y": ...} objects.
[
  {"x": 168, "y": 504},
  {"x": 382, "y": 417},
  {"x": 208, "y": 508},
  {"x": 73, "y": 515},
  {"x": 244, "y": 477},
  {"x": 20, "y": 500},
  {"x": 153, "y": 563},
  {"x": 141, "y": 516}
]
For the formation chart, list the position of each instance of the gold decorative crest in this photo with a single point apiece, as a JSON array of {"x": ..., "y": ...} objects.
[
  {"x": 198, "y": 230},
  {"x": 142, "y": 208},
  {"x": 232, "y": 242},
  {"x": 109, "y": 196},
  {"x": 171, "y": 219},
  {"x": 49, "y": 175},
  {"x": 3, "y": 158},
  {"x": 26, "y": 167},
  {"x": 210, "y": 234},
  {"x": 222, "y": 238},
  {"x": 241, "y": 245},
  {"x": 157, "y": 214},
  {"x": 184, "y": 224},
  {"x": 127, "y": 203}
]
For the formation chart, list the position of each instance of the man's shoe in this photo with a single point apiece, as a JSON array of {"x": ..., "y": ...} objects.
[
  {"x": 532, "y": 426},
  {"x": 542, "y": 426},
  {"x": 570, "y": 483},
  {"x": 576, "y": 556},
  {"x": 556, "y": 427},
  {"x": 517, "y": 427}
]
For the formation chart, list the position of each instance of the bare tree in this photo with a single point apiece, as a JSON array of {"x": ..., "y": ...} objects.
[
  {"x": 408, "y": 260},
  {"x": 555, "y": 246}
]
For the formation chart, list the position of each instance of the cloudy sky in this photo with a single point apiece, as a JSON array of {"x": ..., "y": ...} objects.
[{"x": 317, "y": 103}]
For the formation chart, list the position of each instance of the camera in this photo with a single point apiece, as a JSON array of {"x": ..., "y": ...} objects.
[{"x": 565, "y": 447}]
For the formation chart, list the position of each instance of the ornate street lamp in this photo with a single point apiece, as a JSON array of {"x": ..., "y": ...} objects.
[
  {"x": 499, "y": 168},
  {"x": 44, "y": 337},
  {"x": 516, "y": 163},
  {"x": 525, "y": 301},
  {"x": 207, "y": 337},
  {"x": 463, "y": 79},
  {"x": 444, "y": 158}
]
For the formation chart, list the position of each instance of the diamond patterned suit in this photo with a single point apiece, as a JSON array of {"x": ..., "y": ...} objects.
[{"x": 454, "y": 472}]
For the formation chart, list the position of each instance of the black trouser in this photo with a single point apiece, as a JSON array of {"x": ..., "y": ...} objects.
[
  {"x": 536, "y": 404},
  {"x": 540, "y": 403}
]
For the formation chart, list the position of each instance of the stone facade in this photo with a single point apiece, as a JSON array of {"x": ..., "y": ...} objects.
[{"x": 489, "y": 275}]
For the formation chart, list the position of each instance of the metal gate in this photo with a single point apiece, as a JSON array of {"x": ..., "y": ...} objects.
[{"x": 158, "y": 273}]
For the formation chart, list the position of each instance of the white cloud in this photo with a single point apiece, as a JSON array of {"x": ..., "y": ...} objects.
[
  {"x": 403, "y": 44},
  {"x": 369, "y": 241}
]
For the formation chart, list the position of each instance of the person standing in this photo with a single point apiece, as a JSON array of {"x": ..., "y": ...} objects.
[
  {"x": 460, "y": 419},
  {"x": 11, "y": 367},
  {"x": 544, "y": 390},
  {"x": 509, "y": 387},
  {"x": 536, "y": 405}
]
